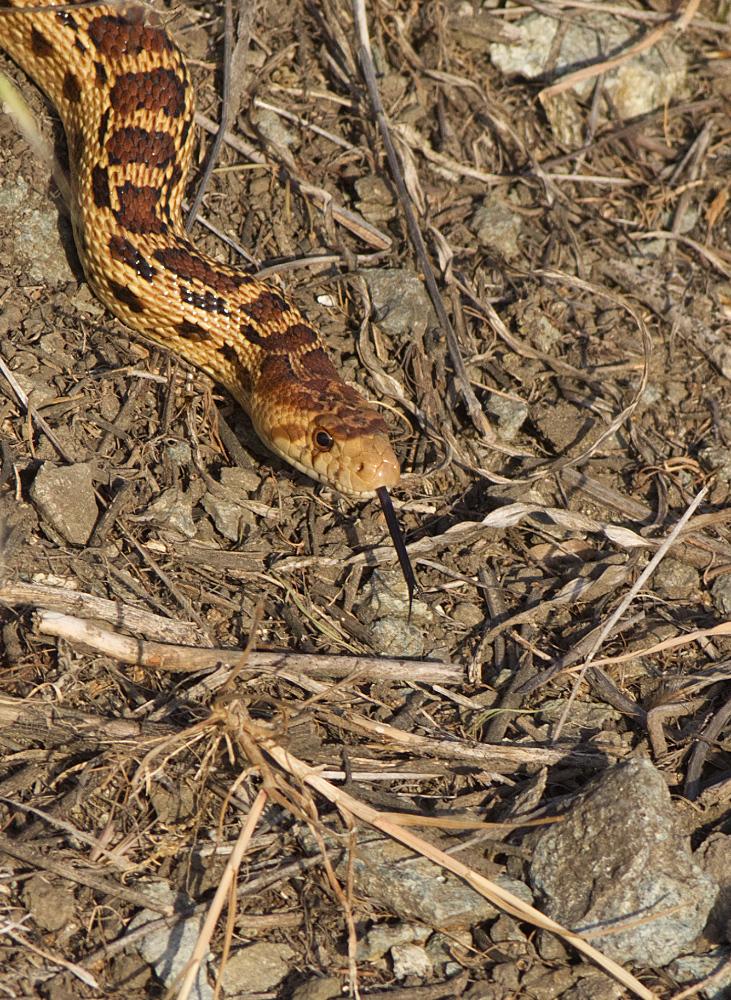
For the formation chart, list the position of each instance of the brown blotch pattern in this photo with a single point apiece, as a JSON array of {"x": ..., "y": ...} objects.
[
  {"x": 276, "y": 371},
  {"x": 175, "y": 177},
  {"x": 243, "y": 375},
  {"x": 115, "y": 37},
  {"x": 71, "y": 88},
  {"x": 187, "y": 264},
  {"x": 266, "y": 307},
  {"x": 317, "y": 363},
  {"x": 150, "y": 90},
  {"x": 103, "y": 122},
  {"x": 121, "y": 249},
  {"x": 137, "y": 209},
  {"x": 207, "y": 301},
  {"x": 295, "y": 340},
  {"x": 193, "y": 331},
  {"x": 100, "y": 187},
  {"x": 64, "y": 18},
  {"x": 40, "y": 47},
  {"x": 137, "y": 145},
  {"x": 126, "y": 296}
]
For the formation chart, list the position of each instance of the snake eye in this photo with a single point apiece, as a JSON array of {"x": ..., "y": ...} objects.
[{"x": 323, "y": 441}]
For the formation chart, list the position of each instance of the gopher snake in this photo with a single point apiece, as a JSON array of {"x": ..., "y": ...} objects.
[{"x": 124, "y": 95}]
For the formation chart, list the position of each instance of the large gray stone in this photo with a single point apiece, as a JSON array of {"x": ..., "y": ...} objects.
[{"x": 618, "y": 858}]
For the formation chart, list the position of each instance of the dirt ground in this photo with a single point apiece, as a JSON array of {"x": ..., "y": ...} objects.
[{"x": 592, "y": 407}]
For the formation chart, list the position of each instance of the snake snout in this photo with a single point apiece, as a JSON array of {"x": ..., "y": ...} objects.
[{"x": 356, "y": 460}]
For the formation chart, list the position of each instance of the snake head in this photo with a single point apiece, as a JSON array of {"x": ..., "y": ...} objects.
[
  {"x": 354, "y": 455},
  {"x": 322, "y": 426}
]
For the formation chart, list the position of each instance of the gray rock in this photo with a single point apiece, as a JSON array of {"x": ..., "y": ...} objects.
[
  {"x": 11, "y": 316},
  {"x": 168, "y": 949},
  {"x": 547, "y": 985},
  {"x": 595, "y": 985},
  {"x": 64, "y": 495},
  {"x": 716, "y": 458},
  {"x": 468, "y": 614},
  {"x": 273, "y": 129},
  {"x": 676, "y": 580},
  {"x": 50, "y": 907},
  {"x": 172, "y": 509},
  {"x": 257, "y": 968},
  {"x": 178, "y": 452},
  {"x": 240, "y": 480},
  {"x": 130, "y": 972},
  {"x": 618, "y": 856},
  {"x": 721, "y": 593},
  {"x": 382, "y": 937},
  {"x": 411, "y": 887},
  {"x": 714, "y": 857},
  {"x": 506, "y": 929},
  {"x": 372, "y": 188},
  {"x": 691, "y": 969},
  {"x": 400, "y": 301},
  {"x": 39, "y": 393},
  {"x": 497, "y": 226},
  {"x": 376, "y": 201},
  {"x": 441, "y": 948},
  {"x": 397, "y": 638},
  {"x": 511, "y": 415},
  {"x": 32, "y": 228},
  {"x": 410, "y": 960},
  {"x": 387, "y": 596},
  {"x": 636, "y": 87},
  {"x": 483, "y": 990},
  {"x": 318, "y": 989},
  {"x": 230, "y": 518},
  {"x": 585, "y": 719}
]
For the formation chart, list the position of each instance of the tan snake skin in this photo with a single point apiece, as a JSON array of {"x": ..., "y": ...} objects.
[{"x": 124, "y": 95}]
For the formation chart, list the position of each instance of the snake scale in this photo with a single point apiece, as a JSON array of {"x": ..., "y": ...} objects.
[{"x": 124, "y": 94}]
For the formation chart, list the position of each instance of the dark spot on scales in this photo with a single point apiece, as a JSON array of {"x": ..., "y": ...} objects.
[
  {"x": 184, "y": 131},
  {"x": 125, "y": 296},
  {"x": 186, "y": 262},
  {"x": 207, "y": 302},
  {"x": 40, "y": 47},
  {"x": 295, "y": 340},
  {"x": 115, "y": 37},
  {"x": 101, "y": 75},
  {"x": 137, "y": 209},
  {"x": 80, "y": 46},
  {"x": 103, "y": 122},
  {"x": 64, "y": 18},
  {"x": 267, "y": 306},
  {"x": 136, "y": 145},
  {"x": 71, "y": 88},
  {"x": 228, "y": 351},
  {"x": 149, "y": 90},
  {"x": 100, "y": 187},
  {"x": 193, "y": 332},
  {"x": 121, "y": 249}
]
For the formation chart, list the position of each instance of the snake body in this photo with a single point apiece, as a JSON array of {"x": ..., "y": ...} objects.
[{"x": 124, "y": 94}]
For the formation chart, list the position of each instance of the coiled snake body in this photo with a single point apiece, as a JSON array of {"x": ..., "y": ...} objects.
[{"x": 124, "y": 95}]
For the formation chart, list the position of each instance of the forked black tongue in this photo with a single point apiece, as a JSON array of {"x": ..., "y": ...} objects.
[{"x": 398, "y": 542}]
